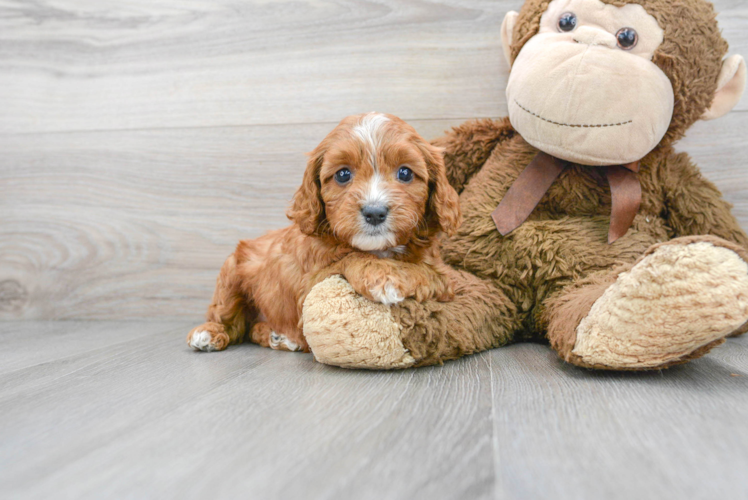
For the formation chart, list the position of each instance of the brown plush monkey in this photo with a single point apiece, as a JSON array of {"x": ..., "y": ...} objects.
[{"x": 581, "y": 223}]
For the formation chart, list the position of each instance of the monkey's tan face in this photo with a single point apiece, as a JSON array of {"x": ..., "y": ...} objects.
[{"x": 585, "y": 88}]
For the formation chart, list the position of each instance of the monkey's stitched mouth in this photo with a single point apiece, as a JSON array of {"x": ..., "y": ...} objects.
[{"x": 602, "y": 125}]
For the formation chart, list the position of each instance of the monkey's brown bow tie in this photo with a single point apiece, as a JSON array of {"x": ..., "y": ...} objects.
[{"x": 535, "y": 180}]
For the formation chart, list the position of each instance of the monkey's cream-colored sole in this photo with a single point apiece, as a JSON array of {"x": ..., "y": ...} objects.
[
  {"x": 671, "y": 303},
  {"x": 347, "y": 330}
]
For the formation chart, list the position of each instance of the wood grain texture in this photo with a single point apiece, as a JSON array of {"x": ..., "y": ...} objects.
[
  {"x": 141, "y": 140},
  {"x": 140, "y": 415},
  {"x": 39, "y": 343},
  {"x": 149, "y": 418},
  {"x": 152, "y": 64},
  {"x": 588, "y": 434}
]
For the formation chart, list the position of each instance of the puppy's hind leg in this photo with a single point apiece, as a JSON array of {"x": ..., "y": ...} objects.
[
  {"x": 263, "y": 334},
  {"x": 227, "y": 314}
]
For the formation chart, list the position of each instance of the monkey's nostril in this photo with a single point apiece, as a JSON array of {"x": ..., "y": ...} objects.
[{"x": 374, "y": 215}]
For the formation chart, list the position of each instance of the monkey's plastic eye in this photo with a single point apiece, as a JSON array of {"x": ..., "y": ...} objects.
[
  {"x": 567, "y": 21},
  {"x": 343, "y": 176},
  {"x": 627, "y": 38},
  {"x": 404, "y": 174}
]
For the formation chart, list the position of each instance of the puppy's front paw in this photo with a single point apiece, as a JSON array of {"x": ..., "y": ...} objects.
[
  {"x": 386, "y": 292},
  {"x": 445, "y": 291},
  {"x": 208, "y": 337},
  {"x": 440, "y": 293}
]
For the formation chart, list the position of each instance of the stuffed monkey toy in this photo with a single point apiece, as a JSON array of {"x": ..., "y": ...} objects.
[{"x": 582, "y": 225}]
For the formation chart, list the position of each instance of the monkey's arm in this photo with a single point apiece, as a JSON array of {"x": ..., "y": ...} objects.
[
  {"x": 468, "y": 146},
  {"x": 695, "y": 206}
]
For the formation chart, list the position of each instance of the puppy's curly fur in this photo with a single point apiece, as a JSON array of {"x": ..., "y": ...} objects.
[{"x": 373, "y": 199}]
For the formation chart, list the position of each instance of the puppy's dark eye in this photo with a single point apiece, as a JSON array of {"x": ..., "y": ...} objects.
[
  {"x": 567, "y": 22},
  {"x": 627, "y": 38},
  {"x": 404, "y": 174},
  {"x": 343, "y": 176}
]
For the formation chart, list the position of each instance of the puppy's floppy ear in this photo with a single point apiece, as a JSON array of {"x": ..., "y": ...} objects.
[
  {"x": 307, "y": 208},
  {"x": 444, "y": 203}
]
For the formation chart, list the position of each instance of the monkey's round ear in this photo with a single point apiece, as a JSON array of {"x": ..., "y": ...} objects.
[
  {"x": 730, "y": 87},
  {"x": 507, "y": 31}
]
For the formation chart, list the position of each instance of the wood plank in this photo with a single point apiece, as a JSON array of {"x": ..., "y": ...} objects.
[
  {"x": 38, "y": 342},
  {"x": 163, "y": 63},
  {"x": 154, "y": 419},
  {"x": 720, "y": 149},
  {"x": 151, "y": 64},
  {"x": 147, "y": 417},
  {"x": 562, "y": 432},
  {"x": 733, "y": 19},
  {"x": 734, "y": 355}
]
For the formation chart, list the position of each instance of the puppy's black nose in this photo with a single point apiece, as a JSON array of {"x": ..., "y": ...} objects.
[{"x": 374, "y": 215}]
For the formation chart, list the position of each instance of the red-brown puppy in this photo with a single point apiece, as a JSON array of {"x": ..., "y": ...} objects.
[{"x": 373, "y": 199}]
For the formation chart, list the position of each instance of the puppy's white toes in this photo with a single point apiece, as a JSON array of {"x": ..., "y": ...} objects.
[
  {"x": 387, "y": 295},
  {"x": 200, "y": 341},
  {"x": 391, "y": 294},
  {"x": 281, "y": 342}
]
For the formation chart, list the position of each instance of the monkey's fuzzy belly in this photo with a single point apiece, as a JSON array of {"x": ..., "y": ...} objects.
[{"x": 547, "y": 254}]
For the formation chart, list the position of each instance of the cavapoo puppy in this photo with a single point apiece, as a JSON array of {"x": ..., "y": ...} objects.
[{"x": 374, "y": 197}]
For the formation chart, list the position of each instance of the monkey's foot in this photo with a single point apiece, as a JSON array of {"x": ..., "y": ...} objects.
[
  {"x": 680, "y": 300},
  {"x": 345, "y": 329}
]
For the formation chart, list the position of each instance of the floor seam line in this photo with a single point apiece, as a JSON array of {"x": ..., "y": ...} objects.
[{"x": 494, "y": 437}]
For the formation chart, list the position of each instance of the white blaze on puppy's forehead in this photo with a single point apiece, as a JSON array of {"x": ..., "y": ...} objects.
[
  {"x": 369, "y": 128},
  {"x": 376, "y": 193},
  {"x": 370, "y": 131}
]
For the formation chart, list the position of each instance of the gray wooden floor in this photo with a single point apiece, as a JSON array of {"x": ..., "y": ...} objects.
[{"x": 124, "y": 409}]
